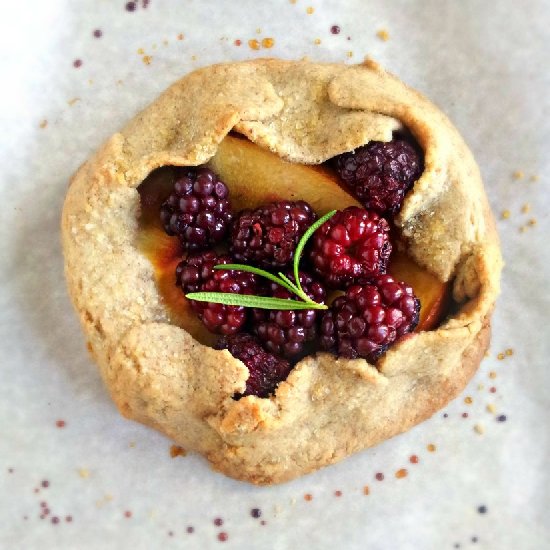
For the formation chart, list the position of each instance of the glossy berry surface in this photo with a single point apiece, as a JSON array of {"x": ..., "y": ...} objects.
[
  {"x": 198, "y": 210},
  {"x": 265, "y": 369},
  {"x": 369, "y": 318},
  {"x": 379, "y": 174},
  {"x": 351, "y": 247},
  {"x": 287, "y": 332},
  {"x": 196, "y": 274},
  {"x": 267, "y": 237}
]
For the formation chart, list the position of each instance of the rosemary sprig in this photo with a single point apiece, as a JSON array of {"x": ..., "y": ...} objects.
[{"x": 281, "y": 279}]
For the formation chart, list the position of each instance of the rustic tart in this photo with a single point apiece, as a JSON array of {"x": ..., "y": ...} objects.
[{"x": 278, "y": 264}]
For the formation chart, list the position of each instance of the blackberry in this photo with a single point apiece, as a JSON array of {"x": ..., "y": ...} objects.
[
  {"x": 286, "y": 332},
  {"x": 267, "y": 236},
  {"x": 265, "y": 369},
  {"x": 379, "y": 174},
  {"x": 351, "y": 247},
  {"x": 198, "y": 210},
  {"x": 368, "y": 319},
  {"x": 196, "y": 274}
]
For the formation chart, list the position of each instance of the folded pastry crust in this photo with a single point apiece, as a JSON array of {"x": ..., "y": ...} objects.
[{"x": 328, "y": 407}]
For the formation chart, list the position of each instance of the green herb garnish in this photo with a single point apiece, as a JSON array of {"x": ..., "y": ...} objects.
[{"x": 263, "y": 302}]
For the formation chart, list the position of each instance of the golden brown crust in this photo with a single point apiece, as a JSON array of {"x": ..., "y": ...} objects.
[{"x": 328, "y": 408}]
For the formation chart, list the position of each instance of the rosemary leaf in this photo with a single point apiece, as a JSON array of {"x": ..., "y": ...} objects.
[
  {"x": 256, "y": 271},
  {"x": 247, "y": 300}
]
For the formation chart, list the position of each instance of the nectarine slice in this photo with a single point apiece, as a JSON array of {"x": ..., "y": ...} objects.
[{"x": 256, "y": 176}]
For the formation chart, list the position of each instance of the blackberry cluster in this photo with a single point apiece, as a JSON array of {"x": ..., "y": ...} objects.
[
  {"x": 265, "y": 369},
  {"x": 267, "y": 237},
  {"x": 379, "y": 174},
  {"x": 351, "y": 247},
  {"x": 368, "y": 318},
  {"x": 198, "y": 210},
  {"x": 196, "y": 274},
  {"x": 287, "y": 332}
]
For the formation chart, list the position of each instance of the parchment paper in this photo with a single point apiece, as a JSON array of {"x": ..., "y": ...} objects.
[{"x": 486, "y": 65}]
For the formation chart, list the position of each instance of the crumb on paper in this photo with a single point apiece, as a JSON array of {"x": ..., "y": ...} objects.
[
  {"x": 480, "y": 387},
  {"x": 43, "y": 124},
  {"x": 176, "y": 450},
  {"x": 526, "y": 208},
  {"x": 132, "y": 444},
  {"x": 258, "y": 31},
  {"x": 349, "y": 54},
  {"x": 505, "y": 214},
  {"x": 84, "y": 473},
  {"x": 534, "y": 177},
  {"x": 268, "y": 43},
  {"x": 532, "y": 221},
  {"x": 492, "y": 374},
  {"x": 317, "y": 41},
  {"x": 383, "y": 34},
  {"x": 107, "y": 498},
  {"x": 468, "y": 400},
  {"x": 147, "y": 59},
  {"x": 140, "y": 51},
  {"x": 180, "y": 36},
  {"x": 72, "y": 101},
  {"x": 518, "y": 175},
  {"x": 401, "y": 473},
  {"x": 431, "y": 448},
  {"x": 500, "y": 356},
  {"x": 509, "y": 352},
  {"x": 366, "y": 490},
  {"x": 491, "y": 408},
  {"x": 478, "y": 428},
  {"x": 523, "y": 229},
  {"x": 310, "y": 10},
  {"x": 254, "y": 44}
]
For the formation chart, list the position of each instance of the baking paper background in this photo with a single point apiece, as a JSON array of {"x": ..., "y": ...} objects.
[{"x": 485, "y": 64}]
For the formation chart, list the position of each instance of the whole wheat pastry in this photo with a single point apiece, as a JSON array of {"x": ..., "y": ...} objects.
[{"x": 329, "y": 406}]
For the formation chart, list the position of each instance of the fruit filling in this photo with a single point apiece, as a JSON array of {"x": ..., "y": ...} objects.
[
  {"x": 268, "y": 236},
  {"x": 196, "y": 273},
  {"x": 379, "y": 174},
  {"x": 351, "y": 247},
  {"x": 369, "y": 318},
  {"x": 197, "y": 210},
  {"x": 287, "y": 332},
  {"x": 257, "y": 272}
]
